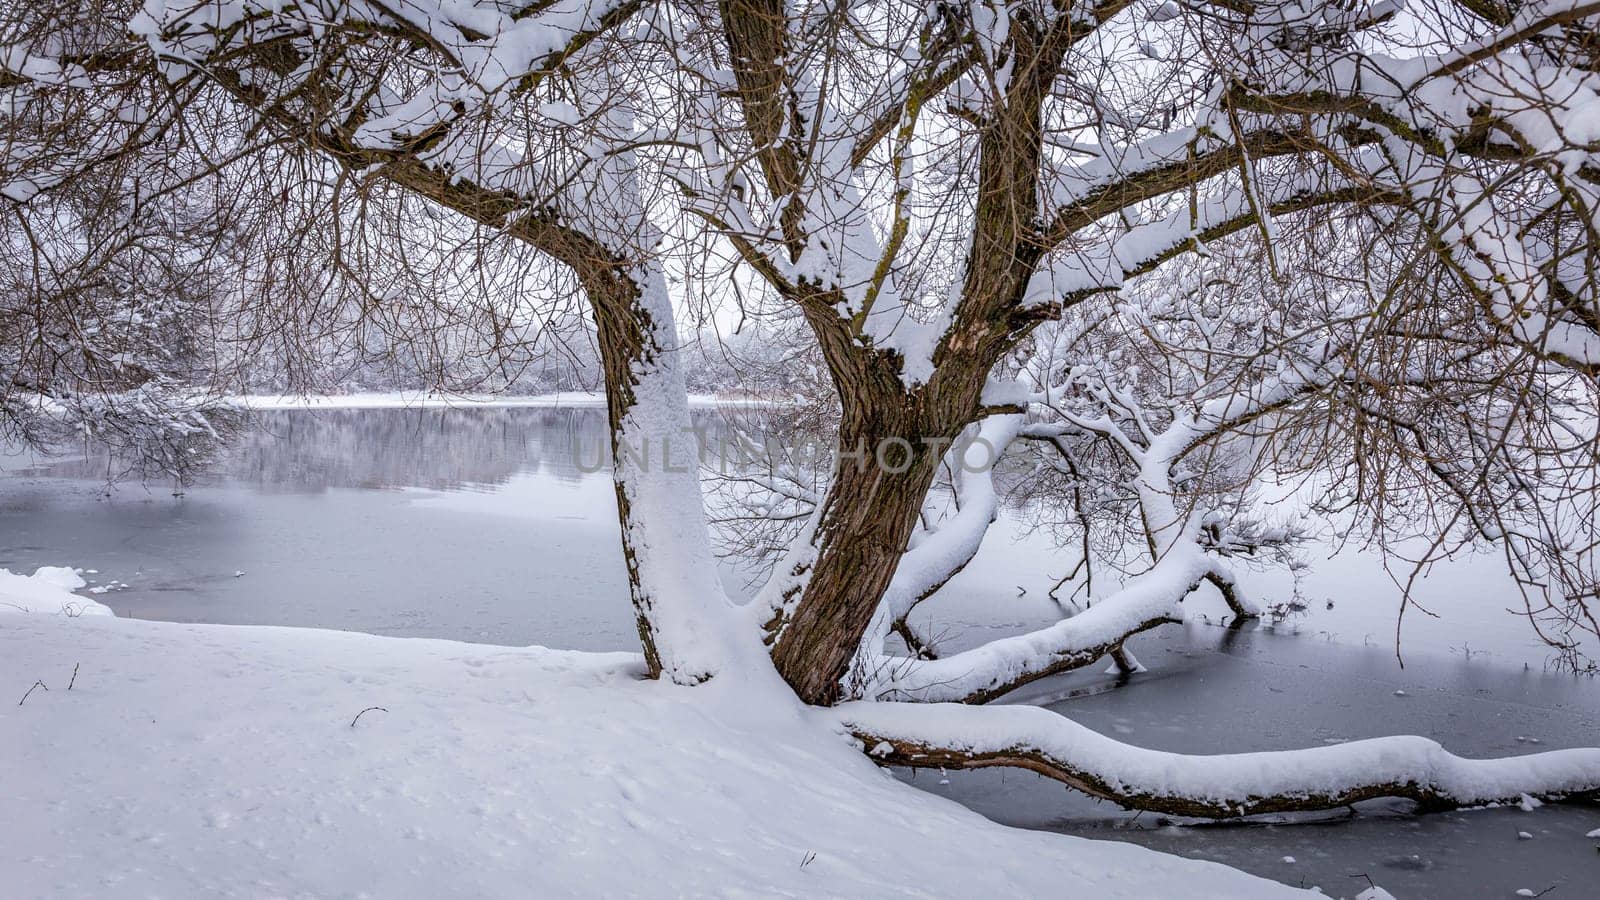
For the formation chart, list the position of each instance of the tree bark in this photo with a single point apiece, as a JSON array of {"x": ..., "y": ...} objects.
[
  {"x": 1222, "y": 786},
  {"x": 623, "y": 331},
  {"x": 867, "y": 517}
]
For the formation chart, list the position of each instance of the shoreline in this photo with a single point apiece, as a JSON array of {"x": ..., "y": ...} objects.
[{"x": 420, "y": 400}]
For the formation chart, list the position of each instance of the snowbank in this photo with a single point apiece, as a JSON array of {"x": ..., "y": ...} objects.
[
  {"x": 415, "y": 399},
  {"x": 202, "y": 760},
  {"x": 48, "y": 590}
]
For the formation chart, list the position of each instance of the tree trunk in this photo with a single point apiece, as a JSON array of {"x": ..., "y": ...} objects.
[
  {"x": 867, "y": 517},
  {"x": 891, "y": 443},
  {"x": 688, "y": 627},
  {"x": 686, "y": 622}
]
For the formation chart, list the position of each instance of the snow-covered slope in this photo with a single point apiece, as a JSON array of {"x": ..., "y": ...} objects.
[{"x": 220, "y": 761}]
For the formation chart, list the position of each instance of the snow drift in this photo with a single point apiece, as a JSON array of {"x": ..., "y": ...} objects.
[
  {"x": 195, "y": 760},
  {"x": 48, "y": 590}
]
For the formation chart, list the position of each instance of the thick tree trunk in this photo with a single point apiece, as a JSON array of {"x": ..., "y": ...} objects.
[
  {"x": 622, "y": 333},
  {"x": 827, "y": 590},
  {"x": 892, "y": 441},
  {"x": 867, "y": 517},
  {"x": 687, "y": 625}
]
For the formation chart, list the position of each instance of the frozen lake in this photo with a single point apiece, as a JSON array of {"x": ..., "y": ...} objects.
[
  {"x": 490, "y": 524},
  {"x": 470, "y": 524}
]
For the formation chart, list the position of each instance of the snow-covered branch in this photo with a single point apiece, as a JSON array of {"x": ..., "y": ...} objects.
[{"x": 1223, "y": 786}]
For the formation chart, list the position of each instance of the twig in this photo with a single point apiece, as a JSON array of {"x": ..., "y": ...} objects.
[
  {"x": 74, "y": 675},
  {"x": 364, "y": 712},
  {"x": 36, "y": 684},
  {"x": 810, "y": 856}
]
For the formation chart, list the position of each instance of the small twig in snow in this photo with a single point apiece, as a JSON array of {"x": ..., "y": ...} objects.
[
  {"x": 36, "y": 684},
  {"x": 810, "y": 857},
  {"x": 74, "y": 675},
  {"x": 364, "y": 712}
]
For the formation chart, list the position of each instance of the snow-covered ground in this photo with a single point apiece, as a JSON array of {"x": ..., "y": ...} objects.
[
  {"x": 420, "y": 400},
  {"x": 227, "y": 761}
]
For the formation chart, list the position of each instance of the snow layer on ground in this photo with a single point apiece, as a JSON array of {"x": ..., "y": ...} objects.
[
  {"x": 218, "y": 761},
  {"x": 48, "y": 590},
  {"x": 414, "y": 399}
]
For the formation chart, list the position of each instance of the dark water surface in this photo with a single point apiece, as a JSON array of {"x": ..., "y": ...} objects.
[
  {"x": 489, "y": 524},
  {"x": 1213, "y": 691},
  {"x": 470, "y": 524}
]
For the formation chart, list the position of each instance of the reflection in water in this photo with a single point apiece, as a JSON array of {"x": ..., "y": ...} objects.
[
  {"x": 479, "y": 524},
  {"x": 464, "y": 523},
  {"x": 439, "y": 449},
  {"x": 442, "y": 449}
]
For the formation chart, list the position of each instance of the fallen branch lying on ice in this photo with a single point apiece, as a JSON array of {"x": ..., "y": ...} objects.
[{"x": 1222, "y": 786}]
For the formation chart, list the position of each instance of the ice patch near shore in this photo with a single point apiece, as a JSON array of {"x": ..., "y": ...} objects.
[{"x": 48, "y": 590}]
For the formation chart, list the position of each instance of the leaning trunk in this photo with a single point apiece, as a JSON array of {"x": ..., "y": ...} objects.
[{"x": 867, "y": 517}]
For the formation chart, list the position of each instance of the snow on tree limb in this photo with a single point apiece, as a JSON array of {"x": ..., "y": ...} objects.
[
  {"x": 1005, "y": 664},
  {"x": 938, "y": 556},
  {"x": 924, "y": 186},
  {"x": 1222, "y": 786}
]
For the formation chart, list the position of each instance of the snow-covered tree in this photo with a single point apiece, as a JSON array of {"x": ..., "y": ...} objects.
[
  {"x": 924, "y": 185},
  {"x": 108, "y": 332},
  {"x": 1022, "y": 158}
]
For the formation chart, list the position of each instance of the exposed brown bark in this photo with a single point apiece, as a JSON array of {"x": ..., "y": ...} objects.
[
  {"x": 1126, "y": 664},
  {"x": 624, "y": 333},
  {"x": 757, "y": 36},
  {"x": 915, "y": 755},
  {"x": 870, "y": 511},
  {"x": 919, "y": 648},
  {"x": 867, "y": 518},
  {"x": 1230, "y": 595}
]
